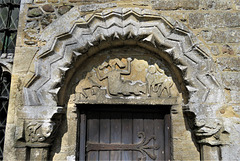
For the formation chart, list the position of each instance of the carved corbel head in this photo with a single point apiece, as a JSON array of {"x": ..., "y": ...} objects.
[{"x": 209, "y": 131}]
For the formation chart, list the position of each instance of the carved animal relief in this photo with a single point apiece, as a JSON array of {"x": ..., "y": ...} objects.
[{"x": 126, "y": 79}]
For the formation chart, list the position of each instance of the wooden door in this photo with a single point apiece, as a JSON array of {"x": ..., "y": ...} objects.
[{"x": 124, "y": 132}]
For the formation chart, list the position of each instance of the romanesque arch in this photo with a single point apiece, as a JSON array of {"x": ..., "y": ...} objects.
[{"x": 77, "y": 37}]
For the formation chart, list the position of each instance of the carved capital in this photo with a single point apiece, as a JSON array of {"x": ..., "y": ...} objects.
[
  {"x": 208, "y": 131},
  {"x": 39, "y": 133}
]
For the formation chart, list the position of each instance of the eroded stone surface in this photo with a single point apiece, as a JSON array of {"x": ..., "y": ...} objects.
[{"x": 229, "y": 63}]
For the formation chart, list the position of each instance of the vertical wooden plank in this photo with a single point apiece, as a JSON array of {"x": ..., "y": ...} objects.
[
  {"x": 148, "y": 130},
  {"x": 115, "y": 134},
  {"x": 167, "y": 136},
  {"x": 82, "y": 136},
  {"x": 137, "y": 127},
  {"x": 159, "y": 134},
  {"x": 127, "y": 134},
  {"x": 93, "y": 133},
  {"x": 104, "y": 134}
]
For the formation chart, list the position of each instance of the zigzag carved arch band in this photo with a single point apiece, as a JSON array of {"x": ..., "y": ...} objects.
[{"x": 84, "y": 34}]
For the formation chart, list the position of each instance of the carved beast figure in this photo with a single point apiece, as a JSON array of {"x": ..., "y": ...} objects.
[
  {"x": 157, "y": 81},
  {"x": 87, "y": 83}
]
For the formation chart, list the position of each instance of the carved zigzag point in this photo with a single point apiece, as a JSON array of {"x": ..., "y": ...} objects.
[
  {"x": 192, "y": 89},
  {"x": 102, "y": 38},
  {"x": 54, "y": 91},
  {"x": 116, "y": 36},
  {"x": 77, "y": 53},
  {"x": 63, "y": 69},
  {"x": 130, "y": 35},
  {"x": 181, "y": 67},
  {"x": 89, "y": 43},
  {"x": 150, "y": 38},
  {"x": 169, "y": 51}
]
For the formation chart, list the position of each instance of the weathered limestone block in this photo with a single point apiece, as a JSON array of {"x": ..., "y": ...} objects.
[
  {"x": 227, "y": 49},
  {"x": 229, "y": 111},
  {"x": 22, "y": 59},
  {"x": 229, "y": 63},
  {"x": 176, "y": 4},
  {"x": 229, "y": 154},
  {"x": 9, "y": 142},
  {"x": 231, "y": 80},
  {"x": 221, "y": 36},
  {"x": 222, "y": 19},
  {"x": 216, "y": 4},
  {"x": 94, "y": 7},
  {"x": 235, "y": 98},
  {"x": 92, "y": 1},
  {"x": 231, "y": 150},
  {"x": 215, "y": 50}
]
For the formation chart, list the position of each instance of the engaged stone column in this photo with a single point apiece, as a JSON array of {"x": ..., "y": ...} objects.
[
  {"x": 209, "y": 133},
  {"x": 39, "y": 136},
  {"x": 210, "y": 152},
  {"x": 39, "y": 154}
]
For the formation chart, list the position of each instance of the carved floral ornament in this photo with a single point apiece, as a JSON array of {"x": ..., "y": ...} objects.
[
  {"x": 141, "y": 147},
  {"x": 76, "y": 37}
]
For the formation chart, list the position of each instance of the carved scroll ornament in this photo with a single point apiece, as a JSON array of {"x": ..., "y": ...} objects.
[
  {"x": 39, "y": 132},
  {"x": 141, "y": 147}
]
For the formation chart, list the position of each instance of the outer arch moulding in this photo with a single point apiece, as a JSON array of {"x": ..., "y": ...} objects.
[{"x": 81, "y": 33}]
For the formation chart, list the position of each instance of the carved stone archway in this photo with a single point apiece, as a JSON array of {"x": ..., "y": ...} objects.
[
  {"x": 76, "y": 37},
  {"x": 111, "y": 78}
]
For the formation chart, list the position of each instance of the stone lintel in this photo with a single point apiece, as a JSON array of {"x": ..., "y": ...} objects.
[{"x": 129, "y": 101}]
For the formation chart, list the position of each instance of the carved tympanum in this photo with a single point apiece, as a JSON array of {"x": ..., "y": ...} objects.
[{"x": 126, "y": 78}]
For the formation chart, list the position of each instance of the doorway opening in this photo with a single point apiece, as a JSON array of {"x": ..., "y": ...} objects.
[{"x": 124, "y": 132}]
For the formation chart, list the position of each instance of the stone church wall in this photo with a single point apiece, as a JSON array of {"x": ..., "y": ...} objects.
[{"x": 215, "y": 23}]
